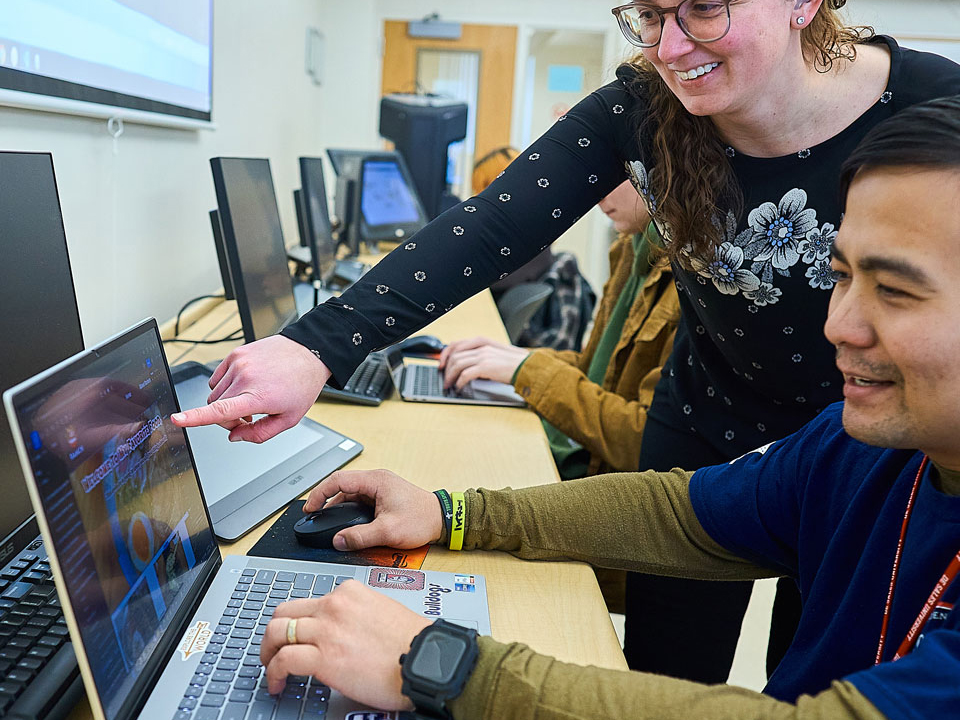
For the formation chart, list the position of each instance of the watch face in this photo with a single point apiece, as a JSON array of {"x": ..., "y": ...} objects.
[{"x": 438, "y": 656}]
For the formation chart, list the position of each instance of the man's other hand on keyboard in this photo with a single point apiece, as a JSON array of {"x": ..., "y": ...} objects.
[{"x": 351, "y": 640}]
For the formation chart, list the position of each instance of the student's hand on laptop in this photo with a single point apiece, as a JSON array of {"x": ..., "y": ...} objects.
[
  {"x": 406, "y": 516},
  {"x": 479, "y": 357},
  {"x": 351, "y": 640},
  {"x": 276, "y": 377}
]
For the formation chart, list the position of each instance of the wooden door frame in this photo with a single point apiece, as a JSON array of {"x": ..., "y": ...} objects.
[{"x": 497, "y": 47}]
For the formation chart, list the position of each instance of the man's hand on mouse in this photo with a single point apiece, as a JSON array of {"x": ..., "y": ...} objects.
[
  {"x": 479, "y": 357},
  {"x": 276, "y": 377},
  {"x": 406, "y": 516},
  {"x": 351, "y": 640}
]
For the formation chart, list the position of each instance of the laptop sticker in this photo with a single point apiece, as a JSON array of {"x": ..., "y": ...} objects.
[
  {"x": 394, "y": 579},
  {"x": 370, "y": 715},
  {"x": 195, "y": 639},
  {"x": 464, "y": 587},
  {"x": 464, "y": 579}
]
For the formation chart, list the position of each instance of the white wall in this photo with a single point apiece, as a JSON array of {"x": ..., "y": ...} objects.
[
  {"x": 136, "y": 222},
  {"x": 937, "y": 18}
]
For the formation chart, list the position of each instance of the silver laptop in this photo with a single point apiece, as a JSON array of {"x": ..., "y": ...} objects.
[
  {"x": 419, "y": 382},
  {"x": 162, "y": 625}
]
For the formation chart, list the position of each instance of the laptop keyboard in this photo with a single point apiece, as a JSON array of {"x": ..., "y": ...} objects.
[
  {"x": 229, "y": 683},
  {"x": 32, "y": 627},
  {"x": 427, "y": 380}
]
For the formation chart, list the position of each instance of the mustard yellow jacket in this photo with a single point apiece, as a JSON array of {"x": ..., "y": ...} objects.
[{"x": 608, "y": 420}]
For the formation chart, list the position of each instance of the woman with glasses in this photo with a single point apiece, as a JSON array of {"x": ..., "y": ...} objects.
[{"x": 732, "y": 123}]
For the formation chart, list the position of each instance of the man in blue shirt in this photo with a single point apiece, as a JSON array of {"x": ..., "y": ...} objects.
[{"x": 861, "y": 507}]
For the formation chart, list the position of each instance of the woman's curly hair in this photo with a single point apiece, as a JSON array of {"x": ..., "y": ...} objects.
[{"x": 690, "y": 175}]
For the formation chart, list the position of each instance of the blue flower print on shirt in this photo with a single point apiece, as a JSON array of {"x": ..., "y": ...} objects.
[
  {"x": 822, "y": 275},
  {"x": 764, "y": 295},
  {"x": 817, "y": 244},
  {"x": 725, "y": 271},
  {"x": 776, "y": 234}
]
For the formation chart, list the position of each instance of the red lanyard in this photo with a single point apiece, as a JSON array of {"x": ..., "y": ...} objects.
[{"x": 953, "y": 569}]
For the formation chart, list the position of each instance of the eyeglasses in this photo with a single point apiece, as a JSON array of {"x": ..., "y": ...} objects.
[{"x": 700, "y": 20}]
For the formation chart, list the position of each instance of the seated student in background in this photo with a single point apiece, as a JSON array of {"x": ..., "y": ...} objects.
[
  {"x": 861, "y": 506},
  {"x": 593, "y": 402}
]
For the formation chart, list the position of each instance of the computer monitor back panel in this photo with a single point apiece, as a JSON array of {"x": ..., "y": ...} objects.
[
  {"x": 39, "y": 320},
  {"x": 317, "y": 218},
  {"x": 225, "y": 276},
  {"x": 254, "y": 240}
]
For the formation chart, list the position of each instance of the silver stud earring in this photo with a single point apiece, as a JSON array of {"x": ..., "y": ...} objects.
[{"x": 801, "y": 20}]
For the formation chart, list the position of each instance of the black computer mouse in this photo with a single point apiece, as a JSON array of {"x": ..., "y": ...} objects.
[
  {"x": 421, "y": 344},
  {"x": 317, "y": 529}
]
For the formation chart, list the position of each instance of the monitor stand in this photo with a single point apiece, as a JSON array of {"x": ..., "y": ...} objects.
[{"x": 307, "y": 297}]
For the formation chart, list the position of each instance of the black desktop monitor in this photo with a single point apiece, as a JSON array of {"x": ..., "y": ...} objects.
[
  {"x": 301, "y": 218},
  {"x": 346, "y": 163},
  {"x": 319, "y": 234},
  {"x": 39, "y": 321},
  {"x": 390, "y": 209},
  {"x": 254, "y": 241},
  {"x": 217, "y": 228}
]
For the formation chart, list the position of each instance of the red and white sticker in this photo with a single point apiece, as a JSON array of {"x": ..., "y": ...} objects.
[
  {"x": 395, "y": 579},
  {"x": 195, "y": 639}
]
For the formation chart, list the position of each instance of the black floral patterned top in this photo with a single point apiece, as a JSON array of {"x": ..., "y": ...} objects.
[{"x": 750, "y": 362}]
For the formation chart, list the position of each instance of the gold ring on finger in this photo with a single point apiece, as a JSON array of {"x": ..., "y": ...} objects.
[{"x": 292, "y": 631}]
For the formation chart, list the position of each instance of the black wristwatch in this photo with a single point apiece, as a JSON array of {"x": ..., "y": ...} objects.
[{"x": 436, "y": 669}]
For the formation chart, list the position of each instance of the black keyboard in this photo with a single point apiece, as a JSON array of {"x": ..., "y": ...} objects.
[
  {"x": 229, "y": 683},
  {"x": 36, "y": 658},
  {"x": 370, "y": 384}
]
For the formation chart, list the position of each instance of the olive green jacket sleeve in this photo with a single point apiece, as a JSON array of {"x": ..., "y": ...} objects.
[
  {"x": 631, "y": 521},
  {"x": 511, "y": 682},
  {"x": 635, "y": 521}
]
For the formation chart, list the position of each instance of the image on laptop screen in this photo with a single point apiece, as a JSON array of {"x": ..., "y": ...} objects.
[
  {"x": 121, "y": 499},
  {"x": 38, "y": 303},
  {"x": 254, "y": 241},
  {"x": 385, "y": 198}
]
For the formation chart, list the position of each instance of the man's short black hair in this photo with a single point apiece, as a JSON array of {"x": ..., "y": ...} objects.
[{"x": 925, "y": 135}]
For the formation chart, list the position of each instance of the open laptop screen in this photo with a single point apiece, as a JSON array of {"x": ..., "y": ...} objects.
[
  {"x": 121, "y": 499},
  {"x": 386, "y": 198},
  {"x": 39, "y": 324}
]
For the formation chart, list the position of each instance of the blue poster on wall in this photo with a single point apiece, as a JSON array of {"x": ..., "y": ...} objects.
[{"x": 565, "y": 78}]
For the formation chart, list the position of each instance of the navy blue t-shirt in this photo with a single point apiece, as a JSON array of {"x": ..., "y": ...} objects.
[{"x": 826, "y": 510}]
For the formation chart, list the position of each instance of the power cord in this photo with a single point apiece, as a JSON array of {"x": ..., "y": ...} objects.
[
  {"x": 176, "y": 324},
  {"x": 238, "y": 335}
]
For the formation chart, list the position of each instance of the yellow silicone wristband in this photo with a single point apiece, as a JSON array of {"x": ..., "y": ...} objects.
[{"x": 459, "y": 520}]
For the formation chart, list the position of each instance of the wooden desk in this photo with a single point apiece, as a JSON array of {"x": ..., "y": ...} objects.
[{"x": 554, "y": 607}]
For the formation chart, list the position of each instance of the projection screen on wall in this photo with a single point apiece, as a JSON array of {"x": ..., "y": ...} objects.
[{"x": 136, "y": 59}]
